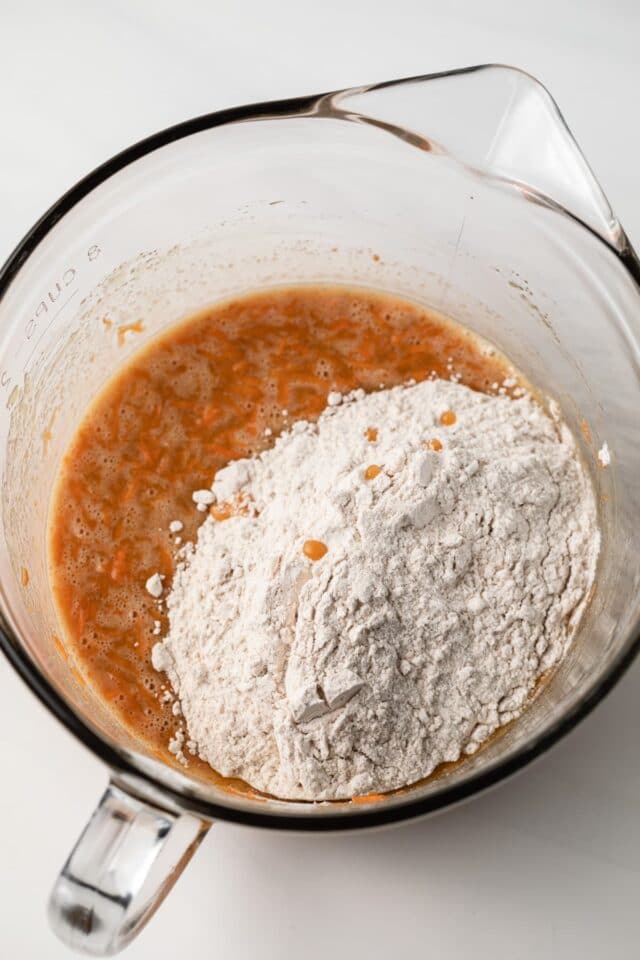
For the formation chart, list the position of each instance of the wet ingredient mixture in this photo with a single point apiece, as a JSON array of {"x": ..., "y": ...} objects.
[{"x": 215, "y": 388}]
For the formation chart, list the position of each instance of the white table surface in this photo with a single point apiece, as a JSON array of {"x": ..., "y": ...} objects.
[{"x": 546, "y": 866}]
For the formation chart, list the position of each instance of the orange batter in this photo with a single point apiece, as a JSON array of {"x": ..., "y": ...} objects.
[{"x": 215, "y": 387}]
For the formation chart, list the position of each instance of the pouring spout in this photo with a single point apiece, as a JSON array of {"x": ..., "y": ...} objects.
[{"x": 498, "y": 121}]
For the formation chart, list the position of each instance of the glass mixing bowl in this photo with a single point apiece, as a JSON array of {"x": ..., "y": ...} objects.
[{"x": 464, "y": 191}]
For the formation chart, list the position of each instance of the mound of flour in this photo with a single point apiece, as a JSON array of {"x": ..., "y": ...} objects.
[{"x": 451, "y": 581}]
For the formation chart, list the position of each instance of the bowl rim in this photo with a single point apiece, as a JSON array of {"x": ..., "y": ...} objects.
[{"x": 119, "y": 761}]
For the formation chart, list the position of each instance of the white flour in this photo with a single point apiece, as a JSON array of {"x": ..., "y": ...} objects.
[{"x": 452, "y": 581}]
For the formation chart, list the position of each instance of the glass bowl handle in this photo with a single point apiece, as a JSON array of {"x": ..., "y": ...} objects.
[{"x": 122, "y": 867}]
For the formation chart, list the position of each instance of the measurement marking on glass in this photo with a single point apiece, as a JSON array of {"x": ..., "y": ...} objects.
[{"x": 49, "y": 324}]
